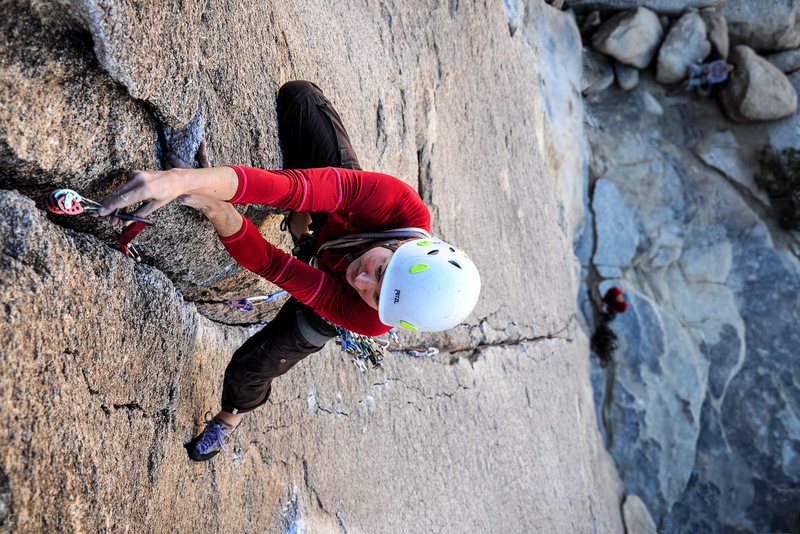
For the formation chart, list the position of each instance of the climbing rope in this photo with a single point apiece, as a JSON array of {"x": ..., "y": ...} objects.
[{"x": 70, "y": 202}]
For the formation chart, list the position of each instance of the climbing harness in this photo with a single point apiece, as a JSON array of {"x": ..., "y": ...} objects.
[
  {"x": 70, "y": 202},
  {"x": 247, "y": 304},
  {"x": 364, "y": 350}
]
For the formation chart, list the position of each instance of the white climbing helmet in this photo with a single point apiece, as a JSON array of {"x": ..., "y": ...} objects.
[{"x": 429, "y": 285}]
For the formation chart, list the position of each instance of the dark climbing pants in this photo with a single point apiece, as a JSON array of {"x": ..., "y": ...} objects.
[{"x": 312, "y": 135}]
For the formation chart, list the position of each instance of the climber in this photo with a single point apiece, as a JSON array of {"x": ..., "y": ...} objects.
[
  {"x": 374, "y": 264},
  {"x": 703, "y": 75},
  {"x": 614, "y": 301}
]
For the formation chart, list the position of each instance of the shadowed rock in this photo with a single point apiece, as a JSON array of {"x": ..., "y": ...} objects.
[
  {"x": 662, "y": 7},
  {"x": 598, "y": 73},
  {"x": 716, "y": 32},
  {"x": 627, "y": 76},
  {"x": 763, "y": 26},
  {"x": 787, "y": 62}
]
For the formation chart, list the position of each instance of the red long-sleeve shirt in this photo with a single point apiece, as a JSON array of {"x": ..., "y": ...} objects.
[{"x": 356, "y": 201}]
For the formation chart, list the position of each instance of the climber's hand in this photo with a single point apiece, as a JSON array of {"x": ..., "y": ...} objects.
[
  {"x": 157, "y": 188},
  {"x": 154, "y": 188}
]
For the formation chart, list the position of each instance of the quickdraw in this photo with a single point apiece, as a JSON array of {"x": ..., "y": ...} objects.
[
  {"x": 70, "y": 202},
  {"x": 365, "y": 349},
  {"x": 362, "y": 349},
  {"x": 247, "y": 304}
]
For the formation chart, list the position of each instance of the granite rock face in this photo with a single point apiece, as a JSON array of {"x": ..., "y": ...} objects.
[
  {"x": 787, "y": 62},
  {"x": 697, "y": 407},
  {"x": 717, "y": 32},
  {"x": 684, "y": 44},
  {"x": 758, "y": 91},
  {"x": 65, "y": 122},
  {"x": 662, "y": 7},
  {"x": 598, "y": 73},
  {"x": 108, "y": 366},
  {"x": 764, "y": 26},
  {"x": 631, "y": 37}
]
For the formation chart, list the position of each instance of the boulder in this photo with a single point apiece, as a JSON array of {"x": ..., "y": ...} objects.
[
  {"x": 631, "y": 37},
  {"x": 684, "y": 44},
  {"x": 757, "y": 90},
  {"x": 716, "y": 32},
  {"x": 763, "y": 26},
  {"x": 662, "y": 7},
  {"x": 787, "y": 62},
  {"x": 637, "y": 518},
  {"x": 627, "y": 76},
  {"x": 597, "y": 73}
]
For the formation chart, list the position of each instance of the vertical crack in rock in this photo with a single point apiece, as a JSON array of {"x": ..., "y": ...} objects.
[{"x": 592, "y": 280}]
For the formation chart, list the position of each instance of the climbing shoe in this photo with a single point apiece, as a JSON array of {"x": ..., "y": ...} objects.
[{"x": 211, "y": 440}]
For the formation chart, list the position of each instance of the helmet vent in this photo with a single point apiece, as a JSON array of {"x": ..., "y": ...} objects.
[
  {"x": 456, "y": 264},
  {"x": 453, "y": 250},
  {"x": 433, "y": 252}
]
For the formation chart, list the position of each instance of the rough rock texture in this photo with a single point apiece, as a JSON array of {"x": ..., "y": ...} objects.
[
  {"x": 637, "y": 517},
  {"x": 106, "y": 364},
  {"x": 698, "y": 407},
  {"x": 631, "y": 37},
  {"x": 598, "y": 73},
  {"x": 684, "y": 44},
  {"x": 716, "y": 32},
  {"x": 758, "y": 91},
  {"x": 787, "y": 62},
  {"x": 160, "y": 67},
  {"x": 627, "y": 76},
  {"x": 662, "y": 7},
  {"x": 764, "y": 26},
  {"x": 64, "y": 120}
]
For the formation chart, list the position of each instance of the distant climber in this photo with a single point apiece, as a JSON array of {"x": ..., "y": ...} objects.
[
  {"x": 614, "y": 301},
  {"x": 604, "y": 340},
  {"x": 702, "y": 76},
  {"x": 373, "y": 265}
]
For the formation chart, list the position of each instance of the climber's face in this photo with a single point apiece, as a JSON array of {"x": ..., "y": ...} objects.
[{"x": 365, "y": 274}]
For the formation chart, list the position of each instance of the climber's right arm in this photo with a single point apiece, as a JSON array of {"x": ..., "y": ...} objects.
[{"x": 158, "y": 188}]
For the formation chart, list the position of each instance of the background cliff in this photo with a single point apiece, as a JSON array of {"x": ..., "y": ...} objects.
[
  {"x": 700, "y": 406},
  {"x": 108, "y": 366}
]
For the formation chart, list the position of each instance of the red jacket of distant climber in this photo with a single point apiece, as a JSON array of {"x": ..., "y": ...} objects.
[{"x": 616, "y": 300}]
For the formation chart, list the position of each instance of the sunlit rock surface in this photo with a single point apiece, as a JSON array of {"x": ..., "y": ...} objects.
[{"x": 109, "y": 366}]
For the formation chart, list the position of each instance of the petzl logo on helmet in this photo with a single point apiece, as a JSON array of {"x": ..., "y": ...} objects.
[{"x": 396, "y": 296}]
